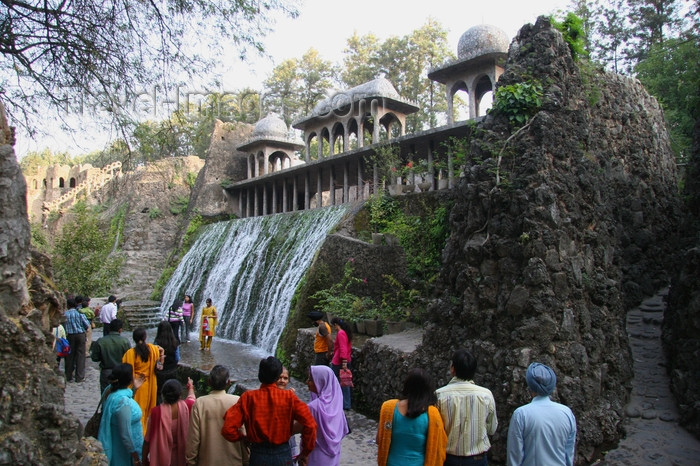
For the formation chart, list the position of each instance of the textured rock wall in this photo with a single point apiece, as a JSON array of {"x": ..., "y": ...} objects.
[
  {"x": 682, "y": 318},
  {"x": 543, "y": 266},
  {"x": 224, "y": 162},
  {"x": 34, "y": 427}
]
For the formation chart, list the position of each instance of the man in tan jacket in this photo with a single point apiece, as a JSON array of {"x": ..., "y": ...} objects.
[{"x": 205, "y": 444}]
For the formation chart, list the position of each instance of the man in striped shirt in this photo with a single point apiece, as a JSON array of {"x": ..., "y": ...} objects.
[{"x": 468, "y": 412}]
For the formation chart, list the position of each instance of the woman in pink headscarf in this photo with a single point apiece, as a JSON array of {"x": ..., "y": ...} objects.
[{"x": 326, "y": 406}]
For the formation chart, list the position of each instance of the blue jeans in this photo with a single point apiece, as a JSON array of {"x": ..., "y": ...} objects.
[
  {"x": 347, "y": 401},
  {"x": 453, "y": 460},
  {"x": 270, "y": 455}
]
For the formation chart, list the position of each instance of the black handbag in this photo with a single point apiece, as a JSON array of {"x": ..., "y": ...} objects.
[{"x": 92, "y": 427}]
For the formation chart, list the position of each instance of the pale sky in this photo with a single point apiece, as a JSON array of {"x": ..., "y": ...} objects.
[{"x": 326, "y": 25}]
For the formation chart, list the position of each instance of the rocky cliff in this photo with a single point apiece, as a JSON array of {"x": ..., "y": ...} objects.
[
  {"x": 34, "y": 427},
  {"x": 682, "y": 318},
  {"x": 559, "y": 227}
]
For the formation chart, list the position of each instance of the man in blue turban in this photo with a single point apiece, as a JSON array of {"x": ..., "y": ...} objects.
[{"x": 541, "y": 432}]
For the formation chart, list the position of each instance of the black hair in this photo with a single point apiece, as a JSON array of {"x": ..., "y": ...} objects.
[
  {"x": 78, "y": 300},
  {"x": 419, "y": 390},
  {"x": 343, "y": 325},
  {"x": 165, "y": 337},
  {"x": 218, "y": 377},
  {"x": 86, "y": 300},
  {"x": 464, "y": 364},
  {"x": 116, "y": 325},
  {"x": 141, "y": 347},
  {"x": 122, "y": 376},
  {"x": 172, "y": 391},
  {"x": 188, "y": 296},
  {"x": 270, "y": 370},
  {"x": 70, "y": 303},
  {"x": 111, "y": 299}
]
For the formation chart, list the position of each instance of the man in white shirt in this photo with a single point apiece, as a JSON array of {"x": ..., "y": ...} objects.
[
  {"x": 468, "y": 412},
  {"x": 108, "y": 313}
]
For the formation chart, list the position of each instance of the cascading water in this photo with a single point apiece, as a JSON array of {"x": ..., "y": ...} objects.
[{"x": 250, "y": 269}]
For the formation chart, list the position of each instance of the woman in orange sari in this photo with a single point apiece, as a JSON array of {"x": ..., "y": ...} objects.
[{"x": 143, "y": 358}]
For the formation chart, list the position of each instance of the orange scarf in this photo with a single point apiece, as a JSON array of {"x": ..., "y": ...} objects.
[{"x": 435, "y": 445}]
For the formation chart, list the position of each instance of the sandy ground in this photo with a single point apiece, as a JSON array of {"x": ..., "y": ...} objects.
[{"x": 653, "y": 434}]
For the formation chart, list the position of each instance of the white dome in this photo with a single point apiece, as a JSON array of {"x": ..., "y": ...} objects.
[
  {"x": 482, "y": 40},
  {"x": 271, "y": 125}
]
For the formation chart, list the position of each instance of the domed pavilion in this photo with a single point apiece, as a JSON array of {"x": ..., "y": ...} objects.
[{"x": 482, "y": 51}]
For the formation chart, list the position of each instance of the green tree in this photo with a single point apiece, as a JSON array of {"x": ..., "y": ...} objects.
[
  {"x": 282, "y": 90},
  {"x": 44, "y": 158},
  {"x": 671, "y": 72},
  {"x": 64, "y": 52},
  {"x": 360, "y": 59},
  {"x": 315, "y": 76},
  {"x": 407, "y": 61},
  {"x": 82, "y": 259},
  {"x": 651, "y": 22}
]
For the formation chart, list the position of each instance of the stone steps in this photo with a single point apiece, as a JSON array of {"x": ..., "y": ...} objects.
[{"x": 142, "y": 313}]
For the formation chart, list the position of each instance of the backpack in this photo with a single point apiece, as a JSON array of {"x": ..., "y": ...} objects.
[{"x": 62, "y": 347}]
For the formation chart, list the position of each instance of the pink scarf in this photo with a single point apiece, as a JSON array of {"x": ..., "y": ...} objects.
[{"x": 161, "y": 434}]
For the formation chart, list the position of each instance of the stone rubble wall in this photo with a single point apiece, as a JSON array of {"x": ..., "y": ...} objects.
[{"x": 544, "y": 267}]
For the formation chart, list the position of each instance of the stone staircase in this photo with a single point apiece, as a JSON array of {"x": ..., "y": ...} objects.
[{"x": 142, "y": 313}]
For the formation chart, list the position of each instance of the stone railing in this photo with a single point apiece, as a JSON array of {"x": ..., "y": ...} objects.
[{"x": 92, "y": 184}]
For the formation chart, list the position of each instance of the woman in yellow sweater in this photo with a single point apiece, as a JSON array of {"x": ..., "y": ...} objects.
[
  {"x": 410, "y": 431},
  {"x": 207, "y": 326}
]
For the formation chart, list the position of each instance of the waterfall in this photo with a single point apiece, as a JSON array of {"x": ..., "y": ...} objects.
[{"x": 250, "y": 268}]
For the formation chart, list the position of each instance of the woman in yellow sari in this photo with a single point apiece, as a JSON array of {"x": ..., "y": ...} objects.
[
  {"x": 207, "y": 326},
  {"x": 144, "y": 357}
]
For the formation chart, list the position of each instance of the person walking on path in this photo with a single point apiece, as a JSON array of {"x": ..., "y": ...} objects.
[
  {"x": 541, "y": 432},
  {"x": 188, "y": 316},
  {"x": 76, "y": 325},
  {"x": 410, "y": 431},
  {"x": 108, "y": 313},
  {"x": 109, "y": 351},
  {"x": 145, "y": 358},
  {"x": 326, "y": 406},
  {"x": 468, "y": 412},
  {"x": 207, "y": 326},
  {"x": 205, "y": 444},
  {"x": 323, "y": 341},
  {"x": 268, "y": 414}
]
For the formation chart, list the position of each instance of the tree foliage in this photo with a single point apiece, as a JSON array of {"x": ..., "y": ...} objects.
[
  {"x": 82, "y": 259},
  {"x": 66, "y": 51},
  {"x": 406, "y": 60}
]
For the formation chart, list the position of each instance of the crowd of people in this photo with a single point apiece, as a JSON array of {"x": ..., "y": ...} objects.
[{"x": 147, "y": 419}]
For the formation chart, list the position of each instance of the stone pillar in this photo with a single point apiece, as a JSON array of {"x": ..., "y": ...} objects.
[
  {"x": 264, "y": 200},
  {"x": 450, "y": 102},
  {"x": 255, "y": 202},
  {"x": 285, "y": 188},
  {"x": 319, "y": 190},
  {"x": 346, "y": 182},
  {"x": 240, "y": 203},
  {"x": 266, "y": 162},
  {"x": 320, "y": 146},
  {"x": 331, "y": 143},
  {"x": 331, "y": 185},
  {"x": 360, "y": 182},
  {"x": 307, "y": 188},
  {"x": 273, "y": 210},
  {"x": 295, "y": 194},
  {"x": 346, "y": 136}
]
